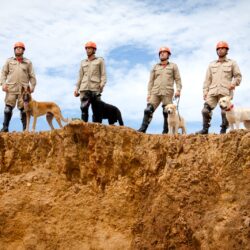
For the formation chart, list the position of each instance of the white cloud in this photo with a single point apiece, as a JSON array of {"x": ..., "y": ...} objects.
[{"x": 54, "y": 33}]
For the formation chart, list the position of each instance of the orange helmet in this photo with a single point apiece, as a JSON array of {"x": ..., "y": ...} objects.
[
  {"x": 19, "y": 44},
  {"x": 222, "y": 44},
  {"x": 90, "y": 45},
  {"x": 164, "y": 49}
]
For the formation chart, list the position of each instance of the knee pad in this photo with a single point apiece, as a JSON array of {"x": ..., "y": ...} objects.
[
  {"x": 149, "y": 110},
  {"x": 85, "y": 102},
  {"x": 207, "y": 110},
  {"x": 8, "y": 109}
]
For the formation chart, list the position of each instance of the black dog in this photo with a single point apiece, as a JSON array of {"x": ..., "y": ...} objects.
[{"x": 104, "y": 110}]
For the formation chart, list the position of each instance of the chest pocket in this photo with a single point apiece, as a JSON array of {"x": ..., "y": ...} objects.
[
  {"x": 169, "y": 72},
  {"x": 158, "y": 71},
  {"x": 95, "y": 67},
  {"x": 85, "y": 68},
  {"x": 12, "y": 66},
  {"x": 24, "y": 67},
  {"x": 214, "y": 70},
  {"x": 227, "y": 69}
]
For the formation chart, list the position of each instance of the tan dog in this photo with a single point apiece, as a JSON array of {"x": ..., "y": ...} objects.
[
  {"x": 36, "y": 109},
  {"x": 174, "y": 120},
  {"x": 235, "y": 115}
]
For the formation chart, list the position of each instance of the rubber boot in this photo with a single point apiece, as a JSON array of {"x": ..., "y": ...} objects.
[
  {"x": 85, "y": 117},
  {"x": 206, "y": 116},
  {"x": 7, "y": 118},
  {"x": 165, "y": 124},
  {"x": 23, "y": 118},
  {"x": 145, "y": 122},
  {"x": 224, "y": 124}
]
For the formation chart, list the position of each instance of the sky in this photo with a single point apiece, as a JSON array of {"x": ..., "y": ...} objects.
[{"x": 128, "y": 35}]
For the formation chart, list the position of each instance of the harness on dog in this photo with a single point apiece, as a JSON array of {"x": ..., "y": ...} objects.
[{"x": 230, "y": 108}]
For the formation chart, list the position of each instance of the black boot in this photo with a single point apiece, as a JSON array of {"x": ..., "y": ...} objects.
[
  {"x": 165, "y": 124},
  {"x": 206, "y": 115},
  {"x": 148, "y": 113},
  {"x": 224, "y": 124},
  {"x": 23, "y": 118},
  {"x": 7, "y": 118},
  {"x": 85, "y": 117}
]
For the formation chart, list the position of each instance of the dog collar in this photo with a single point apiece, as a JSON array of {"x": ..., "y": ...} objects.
[{"x": 230, "y": 108}]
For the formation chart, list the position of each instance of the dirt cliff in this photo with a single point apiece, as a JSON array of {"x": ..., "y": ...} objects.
[{"x": 91, "y": 186}]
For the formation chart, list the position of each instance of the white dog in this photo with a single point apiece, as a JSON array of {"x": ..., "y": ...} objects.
[
  {"x": 235, "y": 115},
  {"x": 174, "y": 120}
]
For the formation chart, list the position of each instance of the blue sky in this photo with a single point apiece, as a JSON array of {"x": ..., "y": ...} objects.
[{"x": 128, "y": 35}]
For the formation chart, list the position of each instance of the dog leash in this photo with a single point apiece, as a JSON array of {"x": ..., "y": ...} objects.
[{"x": 177, "y": 106}]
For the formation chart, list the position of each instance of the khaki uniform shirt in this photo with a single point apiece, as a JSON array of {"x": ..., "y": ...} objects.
[
  {"x": 220, "y": 75},
  {"x": 92, "y": 75},
  {"x": 162, "y": 79},
  {"x": 17, "y": 74}
]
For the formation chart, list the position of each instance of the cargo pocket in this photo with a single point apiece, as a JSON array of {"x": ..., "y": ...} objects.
[
  {"x": 13, "y": 87},
  {"x": 214, "y": 70},
  {"x": 227, "y": 72}
]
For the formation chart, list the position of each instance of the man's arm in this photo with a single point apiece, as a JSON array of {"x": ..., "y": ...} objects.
[
  {"x": 78, "y": 83},
  {"x": 207, "y": 82},
  {"x": 151, "y": 82},
  {"x": 4, "y": 74},
  {"x": 32, "y": 77},
  {"x": 236, "y": 74},
  {"x": 103, "y": 75},
  {"x": 177, "y": 79}
]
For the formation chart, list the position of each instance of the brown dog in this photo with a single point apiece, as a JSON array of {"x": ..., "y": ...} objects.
[
  {"x": 174, "y": 120},
  {"x": 36, "y": 109}
]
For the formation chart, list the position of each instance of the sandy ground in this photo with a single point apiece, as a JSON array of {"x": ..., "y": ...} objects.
[{"x": 91, "y": 186}]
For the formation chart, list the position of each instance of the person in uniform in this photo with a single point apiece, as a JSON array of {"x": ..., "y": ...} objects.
[
  {"x": 17, "y": 72},
  {"x": 161, "y": 88},
  {"x": 91, "y": 81},
  {"x": 222, "y": 76}
]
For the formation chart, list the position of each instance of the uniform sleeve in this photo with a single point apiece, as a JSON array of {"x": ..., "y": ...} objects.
[
  {"x": 4, "y": 73},
  {"x": 151, "y": 81},
  {"x": 236, "y": 74},
  {"x": 103, "y": 74},
  {"x": 32, "y": 76},
  {"x": 79, "y": 78},
  {"x": 177, "y": 78},
  {"x": 207, "y": 81}
]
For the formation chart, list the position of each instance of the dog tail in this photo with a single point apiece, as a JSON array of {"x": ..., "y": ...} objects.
[
  {"x": 66, "y": 120},
  {"x": 119, "y": 118}
]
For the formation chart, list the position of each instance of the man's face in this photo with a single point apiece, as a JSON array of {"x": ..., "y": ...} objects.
[
  {"x": 90, "y": 51},
  {"x": 221, "y": 52},
  {"x": 164, "y": 55},
  {"x": 19, "y": 51}
]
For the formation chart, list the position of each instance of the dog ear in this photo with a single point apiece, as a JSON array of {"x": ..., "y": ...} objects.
[
  {"x": 28, "y": 89},
  {"x": 22, "y": 90}
]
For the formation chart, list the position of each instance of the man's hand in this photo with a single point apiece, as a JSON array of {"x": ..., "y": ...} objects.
[
  {"x": 76, "y": 93},
  {"x": 5, "y": 88},
  {"x": 232, "y": 86},
  {"x": 148, "y": 97},
  {"x": 204, "y": 97},
  {"x": 177, "y": 94}
]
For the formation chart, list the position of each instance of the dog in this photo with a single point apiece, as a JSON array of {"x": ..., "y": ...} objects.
[
  {"x": 107, "y": 111},
  {"x": 235, "y": 115},
  {"x": 174, "y": 120},
  {"x": 36, "y": 109}
]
